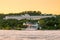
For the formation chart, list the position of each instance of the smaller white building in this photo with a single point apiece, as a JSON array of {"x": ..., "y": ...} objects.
[{"x": 31, "y": 26}]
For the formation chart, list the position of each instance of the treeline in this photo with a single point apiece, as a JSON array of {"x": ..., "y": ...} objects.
[
  {"x": 52, "y": 23},
  {"x": 31, "y": 13},
  {"x": 12, "y": 24}
]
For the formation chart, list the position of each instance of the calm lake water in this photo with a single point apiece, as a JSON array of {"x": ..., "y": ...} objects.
[{"x": 29, "y": 35}]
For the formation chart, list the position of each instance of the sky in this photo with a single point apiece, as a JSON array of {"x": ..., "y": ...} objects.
[{"x": 16, "y": 6}]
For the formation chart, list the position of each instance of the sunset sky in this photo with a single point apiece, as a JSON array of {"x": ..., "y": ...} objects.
[{"x": 15, "y": 6}]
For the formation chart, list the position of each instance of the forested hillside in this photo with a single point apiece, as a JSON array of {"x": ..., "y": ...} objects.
[{"x": 52, "y": 23}]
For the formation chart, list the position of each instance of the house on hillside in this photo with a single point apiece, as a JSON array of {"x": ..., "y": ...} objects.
[{"x": 31, "y": 26}]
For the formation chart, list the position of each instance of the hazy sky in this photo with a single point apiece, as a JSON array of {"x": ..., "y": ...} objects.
[{"x": 45, "y": 6}]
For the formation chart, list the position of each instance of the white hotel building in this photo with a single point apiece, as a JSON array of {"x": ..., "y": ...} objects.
[{"x": 26, "y": 16}]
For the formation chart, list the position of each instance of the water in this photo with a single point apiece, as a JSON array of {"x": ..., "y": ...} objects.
[{"x": 29, "y": 35}]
